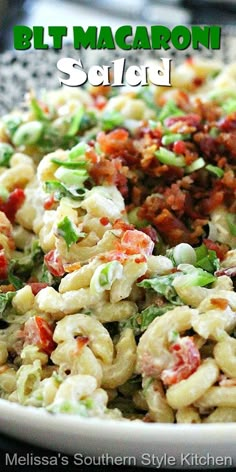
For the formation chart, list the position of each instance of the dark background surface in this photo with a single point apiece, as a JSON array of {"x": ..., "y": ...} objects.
[{"x": 20, "y": 12}]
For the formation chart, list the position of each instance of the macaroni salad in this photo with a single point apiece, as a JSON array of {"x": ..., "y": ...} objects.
[{"x": 118, "y": 250}]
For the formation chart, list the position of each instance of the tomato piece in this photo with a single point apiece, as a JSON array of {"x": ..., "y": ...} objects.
[
  {"x": 220, "y": 249},
  {"x": 13, "y": 203},
  {"x": 82, "y": 341},
  {"x": 186, "y": 361},
  {"x": 136, "y": 242},
  {"x": 54, "y": 263},
  {"x": 39, "y": 333},
  {"x": 3, "y": 265},
  {"x": 49, "y": 202},
  {"x": 37, "y": 286},
  {"x": 179, "y": 147},
  {"x": 120, "y": 224},
  {"x": 104, "y": 221}
]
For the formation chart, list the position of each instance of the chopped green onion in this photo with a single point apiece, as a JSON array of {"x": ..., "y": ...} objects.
[
  {"x": 69, "y": 164},
  {"x": 135, "y": 220},
  {"x": 170, "y": 158},
  {"x": 231, "y": 220},
  {"x": 37, "y": 110},
  {"x": 214, "y": 132},
  {"x": 229, "y": 106},
  {"x": 215, "y": 170},
  {"x": 6, "y": 152},
  {"x": 105, "y": 275},
  {"x": 196, "y": 165},
  {"x": 206, "y": 259},
  {"x": 171, "y": 138},
  {"x": 76, "y": 121},
  {"x": 60, "y": 190},
  {"x": 71, "y": 176},
  {"x": 170, "y": 109},
  {"x": 111, "y": 119},
  {"x": 78, "y": 150},
  {"x": 184, "y": 254},
  {"x": 28, "y": 133},
  {"x": 69, "y": 232},
  {"x": 11, "y": 122}
]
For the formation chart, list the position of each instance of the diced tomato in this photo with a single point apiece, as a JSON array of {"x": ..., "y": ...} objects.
[
  {"x": 179, "y": 147},
  {"x": 116, "y": 255},
  {"x": 82, "y": 341},
  {"x": 39, "y": 333},
  {"x": 100, "y": 102},
  {"x": 120, "y": 224},
  {"x": 186, "y": 361},
  {"x": 151, "y": 232},
  {"x": 104, "y": 221},
  {"x": 49, "y": 202},
  {"x": 136, "y": 242},
  {"x": 220, "y": 249},
  {"x": 37, "y": 286},
  {"x": 3, "y": 265},
  {"x": 54, "y": 263},
  {"x": 13, "y": 203},
  {"x": 72, "y": 267}
]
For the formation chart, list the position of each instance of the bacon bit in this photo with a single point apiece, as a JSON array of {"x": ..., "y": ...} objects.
[
  {"x": 215, "y": 199},
  {"x": 49, "y": 202},
  {"x": 82, "y": 341},
  {"x": 220, "y": 303},
  {"x": 72, "y": 267},
  {"x": 37, "y": 286},
  {"x": 151, "y": 232},
  {"x": 230, "y": 272},
  {"x": 54, "y": 263},
  {"x": 198, "y": 81},
  {"x": 147, "y": 419},
  {"x": 186, "y": 361},
  {"x": 179, "y": 147},
  {"x": 120, "y": 224},
  {"x": 228, "y": 123},
  {"x": 3, "y": 265},
  {"x": 171, "y": 228},
  {"x": 13, "y": 203},
  {"x": 220, "y": 249},
  {"x": 7, "y": 288},
  {"x": 192, "y": 119},
  {"x": 104, "y": 221},
  {"x": 225, "y": 382}
]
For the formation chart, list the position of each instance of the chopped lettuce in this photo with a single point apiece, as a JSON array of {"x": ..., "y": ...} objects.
[
  {"x": 5, "y": 300},
  {"x": 231, "y": 220},
  {"x": 111, "y": 119},
  {"x": 140, "y": 321},
  {"x": 163, "y": 286}
]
